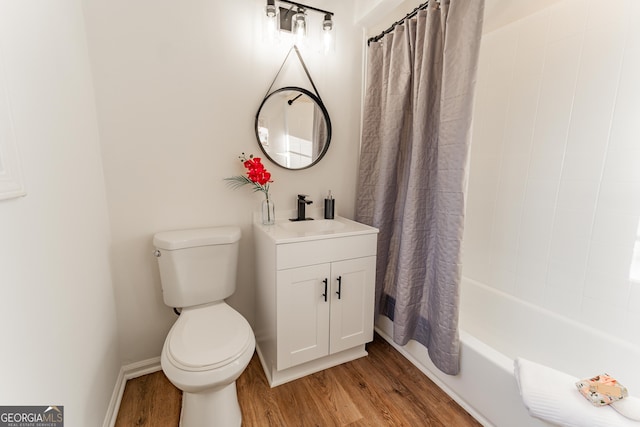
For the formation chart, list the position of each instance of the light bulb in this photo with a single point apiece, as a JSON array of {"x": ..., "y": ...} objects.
[
  {"x": 327, "y": 42},
  {"x": 271, "y": 9},
  {"x": 327, "y": 24},
  {"x": 328, "y": 37},
  {"x": 300, "y": 26},
  {"x": 271, "y": 22}
]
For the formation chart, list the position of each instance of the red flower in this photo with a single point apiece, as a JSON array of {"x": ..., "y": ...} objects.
[
  {"x": 257, "y": 175},
  {"x": 256, "y": 171}
]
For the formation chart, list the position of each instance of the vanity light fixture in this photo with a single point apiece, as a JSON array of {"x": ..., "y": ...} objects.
[{"x": 294, "y": 20}]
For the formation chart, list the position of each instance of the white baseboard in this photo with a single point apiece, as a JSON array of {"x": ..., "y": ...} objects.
[{"x": 127, "y": 372}]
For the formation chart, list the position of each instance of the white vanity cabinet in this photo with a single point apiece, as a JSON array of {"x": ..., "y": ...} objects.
[
  {"x": 314, "y": 297},
  {"x": 326, "y": 308}
]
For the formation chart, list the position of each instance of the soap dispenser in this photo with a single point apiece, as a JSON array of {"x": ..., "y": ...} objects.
[{"x": 329, "y": 206}]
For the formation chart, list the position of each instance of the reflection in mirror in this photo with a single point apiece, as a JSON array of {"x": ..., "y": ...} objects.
[{"x": 293, "y": 128}]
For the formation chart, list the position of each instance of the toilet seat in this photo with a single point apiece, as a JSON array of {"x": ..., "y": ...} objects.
[{"x": 207, "y": 338}]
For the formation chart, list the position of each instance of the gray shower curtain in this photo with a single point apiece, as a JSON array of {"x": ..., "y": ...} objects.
[{"x": 412, "y": 172}]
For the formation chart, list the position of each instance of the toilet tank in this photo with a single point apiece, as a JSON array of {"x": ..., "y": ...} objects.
[{"x": 197, "y": 266}]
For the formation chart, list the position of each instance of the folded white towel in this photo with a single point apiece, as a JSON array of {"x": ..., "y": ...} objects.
[
  {"x": 629, "y": 407},
  {"x": 551, "y": 395}
]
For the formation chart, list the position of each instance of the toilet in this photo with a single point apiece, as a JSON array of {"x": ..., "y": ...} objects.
[{"x": 210, "y": 344}]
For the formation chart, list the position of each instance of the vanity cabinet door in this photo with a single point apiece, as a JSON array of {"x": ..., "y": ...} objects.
[
  {"x": 352, "y": 300},
  {"x": 302, "y": 314}
]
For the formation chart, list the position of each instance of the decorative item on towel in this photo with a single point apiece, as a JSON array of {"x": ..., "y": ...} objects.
[{"x": 602, "y": 390}]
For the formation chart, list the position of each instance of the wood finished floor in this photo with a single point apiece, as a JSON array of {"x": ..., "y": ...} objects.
[{"x": 383, "y": 389}]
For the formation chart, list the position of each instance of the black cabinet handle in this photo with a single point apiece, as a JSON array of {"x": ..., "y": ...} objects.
[
  {"x": 339, "y": 286},
  {"x": 326, "y": 283}
]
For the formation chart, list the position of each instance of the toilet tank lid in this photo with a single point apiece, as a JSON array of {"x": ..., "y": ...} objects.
[{"x": 181, "y": 239}]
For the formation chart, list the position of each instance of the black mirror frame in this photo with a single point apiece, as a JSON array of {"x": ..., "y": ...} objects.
[{"x": 325, "y": 113}]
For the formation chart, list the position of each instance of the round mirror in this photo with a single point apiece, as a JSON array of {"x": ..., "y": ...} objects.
[{"x": 293, "y": 128}]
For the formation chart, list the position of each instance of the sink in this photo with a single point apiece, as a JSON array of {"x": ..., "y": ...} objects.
[
  {"x": 315, "y": 226},
  {"x": 285, "y": 231}
]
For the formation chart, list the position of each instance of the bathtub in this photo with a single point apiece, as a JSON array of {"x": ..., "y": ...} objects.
[{"x": 495, "y": 328}]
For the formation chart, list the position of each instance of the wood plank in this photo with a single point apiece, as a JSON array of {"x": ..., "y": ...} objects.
[
  {"x": 383, "y": 389},
  {"x": 397, "y": 404},
  {"x": 336, "y": 406},
  {"x": 253, "y": 387},
  {"x": 371, "y": 400},
  {"x": 411, "y": 390},
  {"x": 150, "y": 400}
]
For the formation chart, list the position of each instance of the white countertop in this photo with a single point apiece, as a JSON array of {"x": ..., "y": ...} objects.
[{"x": 286, "y": 231}]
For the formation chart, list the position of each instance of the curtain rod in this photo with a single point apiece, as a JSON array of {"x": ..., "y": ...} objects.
[{"x": 409, "y": 15}]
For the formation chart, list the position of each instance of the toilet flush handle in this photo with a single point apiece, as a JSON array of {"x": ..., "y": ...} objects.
[{"x": 157, "y": 253}]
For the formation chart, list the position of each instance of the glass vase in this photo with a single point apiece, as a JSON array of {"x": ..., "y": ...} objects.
[{"x": 268, "y": 212}]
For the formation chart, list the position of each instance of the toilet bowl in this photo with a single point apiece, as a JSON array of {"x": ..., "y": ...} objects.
[
  {"x": 204, "y": 353},
  {"x": 210, "y": 344}
]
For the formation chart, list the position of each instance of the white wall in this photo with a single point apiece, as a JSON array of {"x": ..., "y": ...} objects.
[
  {"x": 58, "y": 329},
  {"x": 554, "y": 188},
  {"x": 178, "y": 85}
]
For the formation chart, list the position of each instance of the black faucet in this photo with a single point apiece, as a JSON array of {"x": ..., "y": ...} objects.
[{"x": 302, "y": 202}]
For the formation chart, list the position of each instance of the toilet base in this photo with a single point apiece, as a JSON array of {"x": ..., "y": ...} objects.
[{"x": 216, "y": 408}]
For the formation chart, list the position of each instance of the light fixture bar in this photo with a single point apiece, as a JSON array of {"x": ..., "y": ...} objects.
[{"x": 304, "y": 6}]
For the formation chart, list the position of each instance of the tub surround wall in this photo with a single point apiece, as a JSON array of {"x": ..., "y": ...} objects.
[
  {"x": 554, "y": 188},
  {"x": 59, "y": 331}
]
